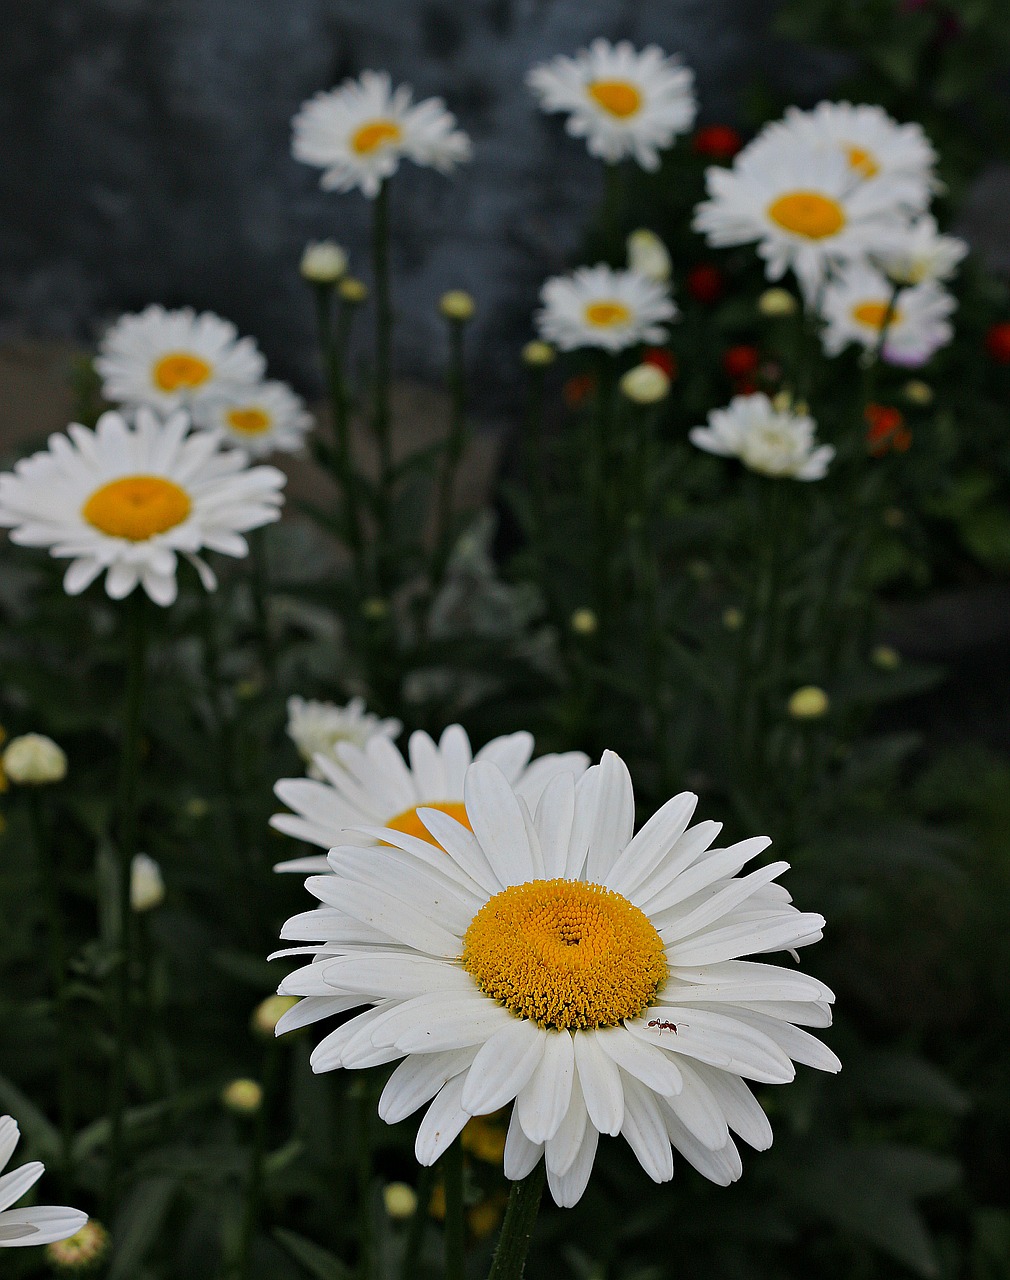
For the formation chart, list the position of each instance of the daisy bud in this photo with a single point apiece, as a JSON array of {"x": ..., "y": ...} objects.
[
  {"x": 809, "y": 703},
  {"x": 775, "y": 303},
  {"x": 886, "y": 658},
  {"x": 34, "y": 760},
  {"x": 456, "y": 305},
  {"x": 537, "y": 354},
  {"x": 82, "y": 1251},
  {"x": 374, "y": 608},
  {"x": 584, "y": 622},
  {"x": 323, "y": 262},
  {"x": 242, "y": 1097},
  {"x": 918, "y": 392},
  {"x": 400, "y": 1200},
  {"x": 147, "y": 888},
  {"x": 196, "y": 807},
  {"x": 648, "y": 256},
  {"x": 732, "y": 618},
  {"x": 645, "y": 384},
  {"x": 352, "y": 290},
  {"x": 269, "y": 1012}
]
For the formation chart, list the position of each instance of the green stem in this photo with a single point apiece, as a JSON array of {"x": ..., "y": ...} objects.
[
  {"x": 383, "y": 343},
  {"x": 613, "y": 210},
  {"x": 517, "y": 1229},
  {"x": 455, "y": 445},
  {"x": 415, "y": 1235},
  {"x": 261, "y": 595},
  {"x": 454, "y": 1235},
  {"x": 364, "y": 1153},
  {"x": 603, "y": 425},
  {"x": 254, "y": 1182},
  {"x": 126, "y": 807}
]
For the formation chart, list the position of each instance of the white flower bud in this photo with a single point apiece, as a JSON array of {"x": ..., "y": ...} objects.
[
  {"x": 33, "y": 760},
  {"x": 323, "y": 262},
  {"x": 648, "y": 255},
  {"x": 147, "y": 888},
  {"x": 645, "y": 384}
]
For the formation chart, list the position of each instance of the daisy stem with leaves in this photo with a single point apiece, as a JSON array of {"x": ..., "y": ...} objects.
[
  {"x": 517, "y": 1229},
  {"x": 126, "y": 812},
  {"x": 455, "y": 445},
  {"x": 381, "y": 418}
]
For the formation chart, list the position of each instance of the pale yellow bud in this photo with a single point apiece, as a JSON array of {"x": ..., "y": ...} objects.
[
  {"x": 243, "y": 1097},
  {"x": 323, "y": 262},
  {"x": 538, "y": 354},
  {"x": 352, "y": 290},
  {"x": 777, "y": 302},
  {"x": 648, "y": 255},
  {"x": 456, "y": 305},
  {"x": 400, "y": 1200},
  {"x": 374, "y": 608},
  {"x": 34, "y": 760},
  {"x": 886, "y": 658},
  {"x": 80, "y": 1252},
  {"x": 147, "y": 887},
  {"x": 269, "y": 1012},
  {"x": 732, "y": 618},
  {"x": 584, "y": 622},
  {"x": 809, "y": 703},
  {"x": 645, "y": 384},
  {"x": 918, "y": 392}
]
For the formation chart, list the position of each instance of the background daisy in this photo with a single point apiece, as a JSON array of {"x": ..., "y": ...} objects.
[
  {"x": 857, "y": 305},
  {"x": 773, "y": 441},
  {"x": 267, "y": 418},
  {"x": 600, "y": 307},
  {"x": 623, "y": 101},
  {"x": 357, "y": 134},
  {"x": 318, "y": 728},
  {"x": 127, "y": 500}
]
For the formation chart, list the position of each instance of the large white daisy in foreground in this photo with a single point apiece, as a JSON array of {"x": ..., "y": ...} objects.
[
  {"x": 358, "y": 134},
  {"x": 555, "y": 961},
  {"x": 176, "y": 359},
  {"x": 772, "y": 439},
  {"x": 319, "y": 728},
  {"x": 370, "y": 785},
  {"x": 623, "y": 101},
  {"x": 600, "y": 307},
  {"x": 800, "y": 206},
  {"x": 858, "y": 305},
  {"x": 127, "y": 500},
  {"x": 40, "y": 1224},
  {"x": 266, "y": 418}
]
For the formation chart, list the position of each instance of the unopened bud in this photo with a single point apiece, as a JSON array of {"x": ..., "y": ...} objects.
[
  {"x": 400, "y": 1200},
  {"x": 584, "y": 622},
  {"x": 777, "y": 302},
  {"x": 147, "y": 887},
  {"x": 34, "y": 760},
  {"x": 352, "y": 290},
  {"x": 323, "y": 262},
  {"x": 537, "y": 354},
  {"x": 645, "y": 384},
  {"x": 809, "y": 703},
  {"x": 242, "y": 1097},
  {"x": 456, "y": 305},
  {"x": 269, "y": 1012}
]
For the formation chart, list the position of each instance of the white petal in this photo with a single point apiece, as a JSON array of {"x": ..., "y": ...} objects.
[
  {"x": 493, "y": 809},
  {"x": 567, "y": 1142},
  {"x": 600, "y": 1080},
  {"x": 53, "y": 1222},
  {"x": 645, "y": 1130},
  {"x": 503, "y": 1065},
  {"x": 653, "y": 1068},
  {"x": 521, "y": 1155},
  {"x": 394, "y": 977},
  {"x": 698, "y": 1110},
  {"x": 430, "y": 1024},
  {"x": 614, "y": 819},
  {"x": 544, "y": 1102},
  {"x": 417, "y": 1079},
  {"x": 554, "y": 817},
  {"x": 13, "y": 1185},
  {"x": 743, "y": 1112},
  {"x": 442, "y": 1123},
  {"x": 388, "y": 914},
  {"x": 567, "y": 1188},
  {"x": 652, "y": 844}
]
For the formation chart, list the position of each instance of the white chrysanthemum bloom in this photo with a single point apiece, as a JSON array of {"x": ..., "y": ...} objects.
[
  {"x": 176, "y": 359},
  {"x": 127, "y": 500},
  {"x": 801, "y": 208},
  {"x": 319, "y": 728},
  {"x": 872, "y": 144},
  {"x": 268, "y": 418},
  {"x": 600, "y": 307},
  {"x": 41, "y": 1224},
  {"x": 542, "y": 955},
  {"x": 372, "y": 786},
  {"x": 771, "y": 440},
  {"x": 357, "y": 134},
  {"x": 919, "y": 253},
  {"x": 857, "y": 304},
  {"x": 649, "y": 256},
  {"x": 623, "y": 101}
]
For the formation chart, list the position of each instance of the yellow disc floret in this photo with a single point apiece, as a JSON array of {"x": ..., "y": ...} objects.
[
  {"x": 875, "y": 314},
  {"x": 862, "y": 161},
  {"x": 137, "y": 507},
  {"x": 564, "y": 954},
  {"x": 377, "y": 133},
  {"x": 180, "y": 371},
  {"x": 616, "y": 97},
  {"x": 249, "y": 421},
  {"x": 808, "y": 213},
  {"x": 606, "y": 313},
  {"x": 411, "y": 825}
]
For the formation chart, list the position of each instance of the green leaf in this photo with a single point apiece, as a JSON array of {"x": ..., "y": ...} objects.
[
  {"x": 138, "y": 1223},
  {"x": 316, "y": 1260},
  {"x": 43, "y": 1136}
]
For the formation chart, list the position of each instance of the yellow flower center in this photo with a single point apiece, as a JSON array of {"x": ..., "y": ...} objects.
[
  {"x": 411, "y": 825},
  {"x": 605, "y": 314},
  {"x": 617, "y": 97},
  {"x": 875, "y": 315},
  {"x": 565, "y": 954},
  {"x": 808, "y": 213},
  {"x": 249, "y": 421},
  {"x": 863, "y": 161},
  {"x": 377, "y": 133},
  {"x": 180, "y": 371},
  {"x": 137, "y": 507}
]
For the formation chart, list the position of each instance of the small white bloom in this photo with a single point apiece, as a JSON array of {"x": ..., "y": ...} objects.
[
  {"x": 771, "y": 440},
  {"x": 857, "y": 304},
  {"x": 918, "y": 253},
  {"x": 33, "y": 760},
  {"x": 147, "y": 886},
  {"x": 645, "y": 384},
  {"x": 175, "y": 359},
  {"x": 600, "y": 307},
  {"x": 41, "y": 1224},
  {"x": 318, "y": 728},
  {"x": 357, "y": 134},
  {"x": 127, "y": 500},
  {"x": 323, "y": 262},
  {"x": 623, "y": 101},
  {"x": 648, "y": 255},
  {"x": 268, "y": 418}
]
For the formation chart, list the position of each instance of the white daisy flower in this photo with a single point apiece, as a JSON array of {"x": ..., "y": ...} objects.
[
  {"x": 372, "y": 786},
  {"x": 769, "y": 439},
  {"x": 872, "y": 144},
  {"x": 267, "y": 418},
  {"x": 801, "y": 208},
  {"x": 318, "y": 728},
  {"x": 600, "y": 307},
  {"x": 542, "y": 955},
  {"x": 176, "y": 359},
  {"x": 919, "y": 253},
  {"x": 128, "y": 500},
  {"x": 41, "y": 1224},
  {"x": 623, "y": 101},
  {"x": 857, "y": 305},
  {"x": 357, "y": 134}
]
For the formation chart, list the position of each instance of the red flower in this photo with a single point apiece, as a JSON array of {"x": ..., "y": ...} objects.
[
  {"x": 997, "y": 342},
  {"x": 578, "y": 389},
  {"x": 740, "y": 362},
  {"x": 886, "y": 430},
  {"x": 662, "y": 359},
  {"x": 717, "y": 142},
  {"x": 705, "y": 283}
]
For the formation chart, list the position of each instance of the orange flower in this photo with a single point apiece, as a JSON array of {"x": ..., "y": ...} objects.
[{"x": 886, "y": 431}]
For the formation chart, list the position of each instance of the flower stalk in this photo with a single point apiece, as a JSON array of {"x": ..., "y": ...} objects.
[{"x": 517, "y": 1229}]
